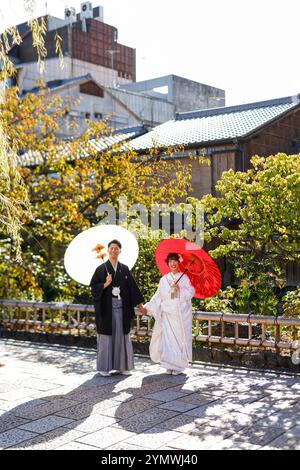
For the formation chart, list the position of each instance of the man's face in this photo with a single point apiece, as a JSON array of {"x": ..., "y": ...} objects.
[{"x": 114, "y": 251}]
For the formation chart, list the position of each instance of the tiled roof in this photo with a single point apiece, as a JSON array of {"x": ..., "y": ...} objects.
[
  {"x": 213, "y": 125},
  {"x": 55, "y": 85},
  {"x": 34, "y": 158}
]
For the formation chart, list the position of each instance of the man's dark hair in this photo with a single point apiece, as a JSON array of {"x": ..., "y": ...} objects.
[
  {"x": 115, "y": 242},
  {"x": 172, "y": 257}
]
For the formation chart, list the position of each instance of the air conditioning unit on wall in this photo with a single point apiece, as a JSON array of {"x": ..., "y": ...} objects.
[
  {"x": 70, "y": 15},
  {"x": 86, "y": 10}
]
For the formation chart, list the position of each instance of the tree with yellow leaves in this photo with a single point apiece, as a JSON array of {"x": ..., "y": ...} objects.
[{"x": 66, "y": 181}]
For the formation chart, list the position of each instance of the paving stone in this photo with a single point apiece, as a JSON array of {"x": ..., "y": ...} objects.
[
  {"x": 296, "y": 387},
  {"x": 8, "y": 406},
  {"x": 166, "y": 447},
  {"x": 155, "y": 387},
  {"x": 20, "y": 394},
  {"x": 218, "y": 392},
  {"x": 38, "y": 384},
  {"x": 105, "y": 438},
  {"x": 187, "y": 442},
  {"x": 282, "y": 404},
  {"x": 83, "y": 410},
  {"x": 9, "y": 421},
  {"x": 133, "y": 407},
  {"x": 195, "y": 386},
  {"x": 126, "y": 446},
  {"x": 228, "y": 444},
  {"x": 282, "y": 419},
  {"x": 212, "y": 410},
  {"x": 258, "y": 408},
  {"x": 213, "y": 434},
  {"x": 183, "y": 423},
  {"x": 258, "y": 434},
  {"x": 178, "y": 405},
  {"x": 126, "y": 396},
  {"x": 14, "y": 436},
  {"x": 240, "y": 400},
  {"x": 50, "y": 440},
  {"x": 154, "y": 438},
  {"x": 295, "y": 432},
  {"x": 234, "y": 421},
  {"x": 146, "y": 420},
  {"x": 55, "y": 400},
  {"x": 198, "y": 398},
  {"x": 93, "y": 423},
  {"x": 287, "y": 441},
  {"x": 166, "y": 395},
  {"x": 77, "y": 446},
  {"x": 46, "y": 424},
  {"x": 91, "y": 394},
  {"x": 45, "y": 409},
  {"x": 282, "y": 395}
]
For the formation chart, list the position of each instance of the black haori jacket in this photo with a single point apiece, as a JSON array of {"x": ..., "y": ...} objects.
[{"x": 130, "y": 293}]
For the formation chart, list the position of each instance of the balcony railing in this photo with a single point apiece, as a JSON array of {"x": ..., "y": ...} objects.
[{"x": 263, "y": 332}]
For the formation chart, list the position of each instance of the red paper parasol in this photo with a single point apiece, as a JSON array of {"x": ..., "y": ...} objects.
[{"x": 195, "y": 262}]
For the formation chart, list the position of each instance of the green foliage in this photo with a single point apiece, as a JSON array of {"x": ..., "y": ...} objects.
[
  {"x": 264, "y": 301},
  {"x": 145, "y": 271},
  {"x": 256, "y": 299},
  {"x": 255, "y": 222},
  {"x": 291, "y": 304},
  {"x": 261, "y": 300},
  {"x": 222, "y": 302}
]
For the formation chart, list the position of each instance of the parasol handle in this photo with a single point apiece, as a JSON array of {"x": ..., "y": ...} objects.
[
  {"x": 185, "y": 271},
  {"x": 181, "y": 276}
]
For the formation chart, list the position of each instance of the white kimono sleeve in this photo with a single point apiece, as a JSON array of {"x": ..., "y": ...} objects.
[
  {"x": 187, "y": 291},
  {"x": 154, "y": 305}
]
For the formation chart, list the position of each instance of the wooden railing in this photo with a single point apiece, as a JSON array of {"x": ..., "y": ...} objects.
[{"x": 263, "y": 332}]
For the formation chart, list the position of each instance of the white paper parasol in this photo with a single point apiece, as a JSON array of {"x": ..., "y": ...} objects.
[{"x": 80, "y": 259}]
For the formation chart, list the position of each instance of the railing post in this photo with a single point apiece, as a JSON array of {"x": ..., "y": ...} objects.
[{"x": 18, "y": 314}]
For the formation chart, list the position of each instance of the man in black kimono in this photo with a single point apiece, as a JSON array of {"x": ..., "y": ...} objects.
[{"x": 115, "y": 295}]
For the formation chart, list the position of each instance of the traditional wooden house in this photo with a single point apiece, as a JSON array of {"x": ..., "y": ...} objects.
[{"x": 228, "y": 136}]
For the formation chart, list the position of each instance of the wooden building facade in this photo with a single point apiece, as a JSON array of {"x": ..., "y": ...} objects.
[{"x": 230, "y": 137}]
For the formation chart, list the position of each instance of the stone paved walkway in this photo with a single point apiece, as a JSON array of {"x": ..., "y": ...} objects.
[{"x": 52, "y": 398}]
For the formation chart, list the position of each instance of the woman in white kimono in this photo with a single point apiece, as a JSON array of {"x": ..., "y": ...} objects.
[{"x": 171, "y": 306}]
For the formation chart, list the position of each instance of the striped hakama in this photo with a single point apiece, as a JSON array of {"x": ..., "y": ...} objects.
[{"x": 115, "y": 352}]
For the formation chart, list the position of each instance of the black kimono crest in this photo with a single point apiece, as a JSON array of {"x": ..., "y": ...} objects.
[{"x": 129, "y": 291}]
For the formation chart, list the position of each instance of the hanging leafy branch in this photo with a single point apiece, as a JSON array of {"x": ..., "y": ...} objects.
[{"x": 14, "y": 201}]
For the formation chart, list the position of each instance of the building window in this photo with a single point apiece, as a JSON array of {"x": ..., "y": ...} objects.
[{"x": 91, "y": 89}]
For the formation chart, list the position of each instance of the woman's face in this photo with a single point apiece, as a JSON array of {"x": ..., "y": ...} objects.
[{"x": 173, "y": 265}]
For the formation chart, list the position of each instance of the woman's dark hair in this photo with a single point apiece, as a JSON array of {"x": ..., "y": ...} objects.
[
  {"x": 172, "y": 257},
  {"x": 115, "y": 242}
]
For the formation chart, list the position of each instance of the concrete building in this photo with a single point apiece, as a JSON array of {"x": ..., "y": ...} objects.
[
  {"x": 99, "y": 73},
  {"x": 85, "y": 98},
  {"x": 88, "y": 44},
  {"x": 184, "y": 94}
]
